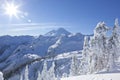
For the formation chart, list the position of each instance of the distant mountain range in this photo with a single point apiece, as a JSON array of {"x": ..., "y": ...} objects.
[
  {"x": 18, "y": 51},
  {"x": 56, "y": 41}
]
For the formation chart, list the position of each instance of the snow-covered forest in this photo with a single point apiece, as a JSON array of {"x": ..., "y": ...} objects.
[{"x": 100, "y": 54}]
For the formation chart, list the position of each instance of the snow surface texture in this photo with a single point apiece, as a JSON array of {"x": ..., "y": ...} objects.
[{"x": 112, "y": 76}]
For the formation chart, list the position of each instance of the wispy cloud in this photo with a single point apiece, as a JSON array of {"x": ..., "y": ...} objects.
[{"x": 29, "y": 27}]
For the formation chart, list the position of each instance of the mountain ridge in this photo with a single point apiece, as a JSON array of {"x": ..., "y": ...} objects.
[
  {"x": 26, "y": 49},
  {"x": 58, "y": 32}
]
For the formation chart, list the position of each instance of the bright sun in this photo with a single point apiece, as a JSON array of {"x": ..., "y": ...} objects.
[{"x": 11, "y": 9}]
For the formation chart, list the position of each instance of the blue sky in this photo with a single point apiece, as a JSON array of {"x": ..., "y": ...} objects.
[{"x": 41, "y": 16}]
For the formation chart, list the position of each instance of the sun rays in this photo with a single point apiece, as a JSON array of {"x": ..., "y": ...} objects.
[{"x": 11, "y": 9}]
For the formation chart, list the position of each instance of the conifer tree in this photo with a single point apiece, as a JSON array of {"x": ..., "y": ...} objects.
[
  {"x": 74, "y": 68},
  {"x": 44, "y": 72},
  {"x": 1, "y": 76},
  {"x": 39, "y": 76},
  {"x": 85, "y": 54},
  {"x": 98, "y": 52},
  {"x": 26, "y": 76}
]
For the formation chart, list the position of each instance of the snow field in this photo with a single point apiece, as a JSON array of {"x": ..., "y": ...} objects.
[{"x": 111, "y": 76}]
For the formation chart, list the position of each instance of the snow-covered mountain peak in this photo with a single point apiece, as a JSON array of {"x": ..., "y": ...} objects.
[
  {"x": 58, "y": 32},
  {"x": 75, "y": 34}
]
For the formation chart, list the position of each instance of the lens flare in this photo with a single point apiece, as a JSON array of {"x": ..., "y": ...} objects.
[{"x": 11, "y": 9}]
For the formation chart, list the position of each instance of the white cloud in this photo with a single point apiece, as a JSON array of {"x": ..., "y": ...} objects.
[{"x": 29, "y": 28}]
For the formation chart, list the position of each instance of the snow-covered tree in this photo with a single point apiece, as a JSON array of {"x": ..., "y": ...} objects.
[
  {"x": 39, "y": 76},
  {"x": 1, "y": 76},
  {"x": 92, "y": 56},
  {"x": 21, "y": 77},
  {"x": 52, "y": 72},
  {"x": 98, "y": 52},
  {"x": 101, "y": 51},
  {"x": 74, "y": 68},
  {"x": 85, "y": 54},
  {"x": 44, "y": 72},
  {"x": 114, "y": 46},
  {"x": 26, "y": 76},
  {"x": 116, "y": 37},
  {"x": 85, "y": 48}
]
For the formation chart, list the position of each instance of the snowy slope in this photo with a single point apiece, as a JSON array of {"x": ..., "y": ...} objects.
[
  {"x": 62, "y": 62},
  {"x": 67, "y": 43},
  {"x": 8, "y": 44},
  {"x": 112, "y": 76}
]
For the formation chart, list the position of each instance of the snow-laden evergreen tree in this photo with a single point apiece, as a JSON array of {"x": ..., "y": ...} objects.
[
  {"x": 1, "y": 76},
  {"x": 74, "y": 68},
  {"x": 52, "y": 72},
  {"x": 85, "y": 53},
  {"x": 85, "y": 48},
  {"x": 114, "y": 46},
  {"x": 92, "y": 56},
  {"x": 116, "y": 37},
  {"x": 26, "y": 76},
  {"x": 98, "y": 53},
  {"x": 102, "y": 51},
  {"x": 111, "y": 50},
  {"x": 21, "y": 77},
  {"x": 39, "y": 76},
  {"x": 44, "y": 72}
]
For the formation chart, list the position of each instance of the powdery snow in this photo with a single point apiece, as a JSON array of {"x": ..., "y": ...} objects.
[
  {"x": 68, "y": 55},
  {"x": 112, "y": 76}
]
